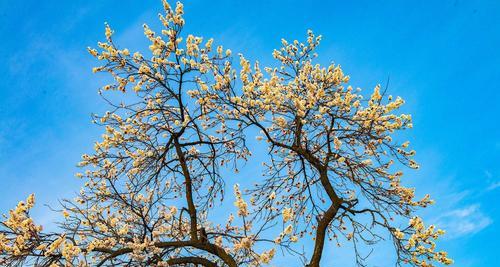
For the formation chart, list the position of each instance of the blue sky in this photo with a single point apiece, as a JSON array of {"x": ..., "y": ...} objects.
[{"x": 441, "y": 56}]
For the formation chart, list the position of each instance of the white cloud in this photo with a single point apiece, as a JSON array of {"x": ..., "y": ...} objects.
[
  {"x": 493, "y": 186},
  {"x": 492, "y": 183},
  {"x": 464, "y": 221}
]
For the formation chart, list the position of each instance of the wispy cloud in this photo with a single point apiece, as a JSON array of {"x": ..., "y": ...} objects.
[
  {"x": 493, "y": 186},
  {"x": 464, "y": 221},
  {"x": 493, "y": 183}
]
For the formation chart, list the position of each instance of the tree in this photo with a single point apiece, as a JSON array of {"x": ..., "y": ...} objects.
[{"x": 158, "y": 175}]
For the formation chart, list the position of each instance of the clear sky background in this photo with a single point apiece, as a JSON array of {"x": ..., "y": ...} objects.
[{"x": 441, "y": 56}]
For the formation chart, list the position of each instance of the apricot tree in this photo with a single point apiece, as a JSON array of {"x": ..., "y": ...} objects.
[{"x": 160, "y": 171}]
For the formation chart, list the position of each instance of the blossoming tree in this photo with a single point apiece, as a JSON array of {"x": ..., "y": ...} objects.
[{"x": 157, "y": 177}]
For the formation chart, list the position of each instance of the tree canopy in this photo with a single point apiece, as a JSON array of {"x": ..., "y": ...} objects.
[{"x": 154, "y": 182}]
